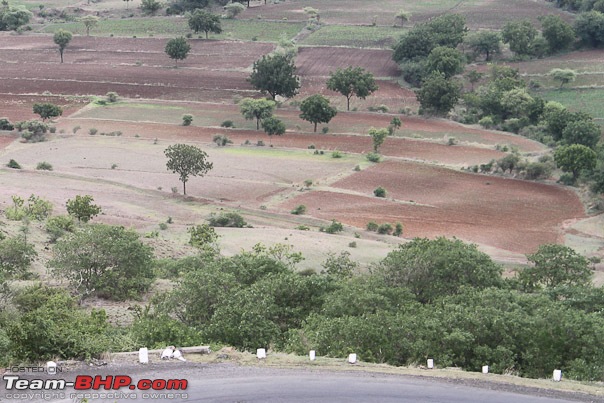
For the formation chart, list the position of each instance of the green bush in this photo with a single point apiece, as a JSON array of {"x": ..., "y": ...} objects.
[
  {"x": 379, "y": 108},
  {"x": 15, "y": 256},
  {"x": 112, "y": 96},
  {"x": 398, "y": 229},
  {"x": 58, "y": 226},
  {"x": 308, "y": 183},
  {"x": 93, "y": 131},
  {"x": 385, "y": 229},
  {"x": 325, "y": 130},
  {"x": 373, "y": 157},
  {"x": 299, "y": 210},
  {"x": 379, "y": 192},
  {"x": 44, "y": 166},
  {"x": 5, "y": 124},
  {"x": 202, "y": 235},
  {"x": 13, "y": 164},
  {"x": 227, "y": 123},
  {"x": 187, "y": 120},
  {"x": 372, "y": 226},
  {"x": 487, "y": 122},
  {"x": 227, "y": 220},
  {"x": 337, "y": 154},
  {"x": 163, "y": 226},
  {"x": 221, "y": 140},
  {"x": 333, "y": 228}
]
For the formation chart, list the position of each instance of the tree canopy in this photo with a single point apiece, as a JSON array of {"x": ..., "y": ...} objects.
[
  {"x": 258, "y": 109},
  {"x": 556, "y": 265},
  {"x": 178, "y": 49},
  {"x": 47, "y": 110},
  {"x": 557, "y": 32},
  {"x": 519, "y": 35},
  {"x": 352, "y": 81},
  {"x": 62, "y": 38},
  {"x": 275, "y": 75},
  {"x": 446, "y": 60},
  {"x": 82, "y": 208},
  {"x": 485, "y": 42},
  {"x": 201, "y": 20},
  {"x": 575, "y": 158},
  {"x": 437, "y": 94},
  {"x": 187, "y": 160},
  {"x": 316, "y": 109},
  {"x": 89, "y": 21}
]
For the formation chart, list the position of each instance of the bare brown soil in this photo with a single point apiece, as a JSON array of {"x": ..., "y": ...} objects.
[
  {"x": 321, "y": 61},
  {"x": 20, "y": 107},
  {"x": 430, "y": 201}
]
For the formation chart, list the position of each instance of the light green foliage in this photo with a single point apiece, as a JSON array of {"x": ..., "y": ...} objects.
[
  {"x": 556, "y": 265},
  {"x": 178, "y": 49},
  {"x": 44, "y": 166},
  {"x": 106, "y": 261},
  {"x": 47, "y": 110},
  {"x": 157, "y": 330},
  {"x": 575, "y": 158},
  {"x": 373, "y": 157},
  {"x": 403, "y": 16},
  {"x": 557, "y": 32},
  {"x": 509, "y": 162},
  {"x": 485, "y": 42},
  {"x": 340, "y": 266},
  {"x": 82, "y": 208},
  {"x": 58, "y": 226},
  {"x": 16, "y": 256},
  {"x": 150, "y": 6},
  {"x": 378, "y": 136},
  {"x": 299, "y": 210},
  {"x": 275, "y": 75},
  {"x": 187, "y": 160},
  {"x": 35, "y": 209},
  {"x": 434, "y": 268},
  {"x": 203, "y": 236},
  {"x": 273, "y": 126},
  {"x": 316, "y": 109},
  {"x": 352, "y": 81},
  {"x": 258, "y": 109},
  {"x": 519, "y": 35},
  {"x": 438, "y": 95},
  {"x": 62, "y": 39},
  {"x": 89, "y": 21},
  {"x": 565, "y": 76},
  {"x": 233, "y": 9},
  {"x": 445, "y": 60},
  {"x": 585, "y": 132},
  {"x": 201, "y": 20},
  {"x": 32, "y": 131}
]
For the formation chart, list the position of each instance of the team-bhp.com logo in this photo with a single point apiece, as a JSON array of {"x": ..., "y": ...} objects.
[{"x": 18, "y": 387}]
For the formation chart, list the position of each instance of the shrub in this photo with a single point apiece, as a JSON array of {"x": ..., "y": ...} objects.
[
  {"x": 15, "y": 256},
  {"x": 372, "y": 226},
  {"x": 44, "y": 166},
  {"x": 113, "y": 166},
  {"x": 357, "y": 168},
  {"x": 308, "y": 183},
  {"x": 5, "y": 124},
  {"x": 373, "y": 157},
  {"x": 111, "y": 96},
  {"x": 227, "y": 123},
  {"x": 337, "y": 154},
  {"x": 227, "y": 220},
  {"x": 13, "y": 164},
  {"x": 93, "y": 131},
  {"x": 352, "y": 244},
  {"x": 202, "y": 235},
  {"x": 333, "y": 228},
  {"x": 303, "y": 227},
  {"x": 385, "y": 229},
  {"x": 187, "y": 119},
  {"x": 311, "y": 147},
  {"x": 75, "y": 129},
  {"x": 260, "y": 143},
  {"x": 58, "y": 226},
  {"x": 163, "y": 226},
  {"x": 301, "y": 209},
  {"x": 32, "y": 131},
  {"x": 398, "y": 229},
  {"x": 221, "y": 140},
  {"x": 379, "y": 108},
  {"x": 379, "y": 192},
  {"x": 325, "y": 130}
]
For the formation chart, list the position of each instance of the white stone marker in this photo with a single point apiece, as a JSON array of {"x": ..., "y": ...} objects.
[
  {"x": 557, "y": 375},
  {"x": 352, "y": 358},
  {"x": 51, "y": 367},
  {"x": 485, "y": 369},
  {"x": 312, "y": 355},
  {"x": 430, "y": 363},
  {"x": 143, "y": 355},
  {"x": 261, "y": 353}
]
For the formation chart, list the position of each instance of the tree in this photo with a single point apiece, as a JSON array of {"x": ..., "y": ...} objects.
[
  {"x": 201, "y": 20},
  {"x": 585, "y": 132},
  {"x": 150, "y": 6},
  {"x": 473, "y": 77},
  {"x": 435, "y": 268},
  {"x": 446, "y": 60},
  {"x": 273, "y": 126},
  {"x": 233, "y": 10},
  {"x": 556, "y": 265},
  {"x": 403, "y": 16},
  {"x": 90, "y": 21},
  {"x": 62, "y": 38},
  {"x": 589, "y": 27},
  {"x": 352, "y": 81},
  {"x": 316, "y": 109},
  {"x": 47, "y": 110},
  {"x": 12, "y": 18},
  {"x": 202, "y": 236},
  {"x": 104, "y": 260},
  {"x": 186, "y": 160},
  {"x": 575, "y": 158},
  {"x": 377, "y": 137},
  {"x": 178, "y": 49},
  {"x": 565, "y": 76},
  {"x": 275, "y": 75},
  {"x": 437, "y": 94},
  {"x": 256, "y": 109},
  {"x": 82, "y": 208},
  {"x": 557, "y": 32},
  {"x": 486, "y": 42},
  {"x": 15, "y": 256},
  {"x": 519, "y": 35}
]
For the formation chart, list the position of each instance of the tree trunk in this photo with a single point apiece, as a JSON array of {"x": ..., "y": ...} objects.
[
  {"x": 315, "y": 127},
  {"x": 206, "y": 34},
  {"x": 184, "y": 188},
  {"x": 348, "y": 104},
  {"x": 258, "y": 124},
  {"x": 61, "y": 52}
]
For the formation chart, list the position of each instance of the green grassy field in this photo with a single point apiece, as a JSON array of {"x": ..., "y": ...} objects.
[
  {"x": 267, "y": 31},
  {"x": 354, "y": 36},
  {"x": 586, "y": 100}
]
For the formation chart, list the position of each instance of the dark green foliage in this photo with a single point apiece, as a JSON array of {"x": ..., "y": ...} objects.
[
  {"x": 221, "y": 140},
  {"x": 273, "y": 126},
  {"x": 299, "y": 210},
  {"x": 44, "y": 166},
  {"x": 340, "y": 266},
  {"x": 258, "y": 109},
  {"x": 201, "y": 20},
  {"x": 227, "y": 123},
  {"x": 275, "y": 75},
  {"x": 557, "y": 32},
  {"x": 12, "y": 18},
  {"x": 447, "y": 61},
  {"x": 378, "y": 136},
  {"x": 589, "y": 27},
  {"x": 438, "y": 95},
  {"x": 316, "y": 109},
  {"x": 178, "y": 49},
  {"x": 373, "y": 157},
  {"x": 62, "y": 39},
  {"x": 333, "y": 228},
  {"x": 82, "y": 208},
  {"x": 485, "y": 42},
  {"x": 372, "y": 226},
  {"x": 385, "y": 229},
  {"x": 15, "y": 256},
  {"x": 32, "y": 131},
  {"x": 584, "y": 132},
  {"x": 575, "y": 158},
  {"x": 5, "y": 124},
  {"x": 352, "y": 81},
  {"x": 433, "y": 268},
  {"x": 398, "y": 229},
  {"x": 150, "y": 7},
  {"x": 379, "y": 192},
  {"x": 154, "y": 330},
  {"x": 107, "y": 261},
  {"x": 519, "y": 35},
  {"x": 180, "y": 6},
  {"x": 47, "y": 110},
  {"x": 187, "y": 120},
  {"x": 227, "y": 220},
  {"x": 187, "y": 160},
  {"x": 509, "y": 162},
  {"x": 13, "y": 164}
]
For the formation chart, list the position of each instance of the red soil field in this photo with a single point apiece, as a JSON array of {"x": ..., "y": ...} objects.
[
  {"x": 20, "y": 107},
  {"x": 509, "y": 214},
  {"x": 321, "y": 61}
]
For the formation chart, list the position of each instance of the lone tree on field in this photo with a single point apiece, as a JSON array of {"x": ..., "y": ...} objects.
[
  {"x": 403, "y": 16},
  {"x": 47, "y": 110},
  {"x": 178, "y": 49},
  {"x": 186, "y": 160},
  {"x": 258, "y": 109},
  {"x": 89, "y": 21},
  {"x": 377, "y": 137},
  {"x": 82, "y": 208},
  {"x": 273, "y": 126},
  {"x": 204, "y": 21},
  {"x": 352, "y": 81},
  {"x": 565, "y": 76},
  {"x": 62, "y": 38},
  {"x": 275, "y": 75},
  {"x": 575, "y": 158},
  {"x": 316, "y": 109}
]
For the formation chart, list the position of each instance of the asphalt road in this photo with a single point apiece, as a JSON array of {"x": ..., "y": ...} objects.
[{"x": 232, "y": 383}]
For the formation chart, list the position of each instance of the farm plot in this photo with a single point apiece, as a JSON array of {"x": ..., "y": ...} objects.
[
  {"x": 431, "y": 201},
  {"x": 321, "y": 61},
  {"x": 355, "y": 36},
  {"x": 20, "y": 107}
]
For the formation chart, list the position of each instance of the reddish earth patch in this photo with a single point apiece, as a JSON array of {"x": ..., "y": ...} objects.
[
  {"x": 321, "y": 61},
  {"x": 509, "y": 214},
  {"x": 20, "y": 107},
  {"x": 6, "y": 139}
]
